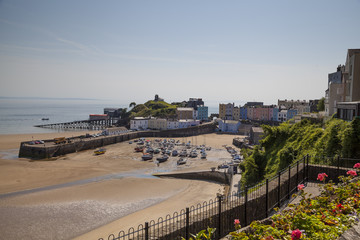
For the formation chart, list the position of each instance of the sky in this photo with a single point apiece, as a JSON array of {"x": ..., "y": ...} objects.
[{"x": 221, "y": 51}]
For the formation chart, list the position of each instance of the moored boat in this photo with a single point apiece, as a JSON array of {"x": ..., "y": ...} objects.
[
  {"x": 146, "y": 157},
  {"x": 193, "y": 154},
  {"x": 163, "y": 158},
  {"x": 100, "y": 151},
  {"x": 139, "y": 149},
  {"x": 181, "y": 161}
]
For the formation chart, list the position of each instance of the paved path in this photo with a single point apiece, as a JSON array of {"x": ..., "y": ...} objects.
[{"x": 235, "y": 185}]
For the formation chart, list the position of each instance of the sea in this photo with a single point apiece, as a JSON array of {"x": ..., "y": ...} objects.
[{"x": 20, "y": 115}]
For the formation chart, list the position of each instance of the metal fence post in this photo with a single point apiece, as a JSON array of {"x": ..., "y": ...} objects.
[
  {"x": 304, "y": 176},
  {"x": 219, "y": 225},
  {"x": 267, "y": 199},
  {"x": 297, "y": 172},
  {"x": 245, "y": 204},
  {"x": 338, "y": 167},
  {"x": 187, "y": 227},
  {"x": 146, "y": 231},
  {"x": 279, "y": 187},
  {"x": 289, "y": 177},
  {"x": 307, "y": 167}
]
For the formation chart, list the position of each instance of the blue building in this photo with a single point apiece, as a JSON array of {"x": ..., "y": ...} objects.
[
  {"x": 202, "y": 113},
  {"x": 243, "y": 113},
  {"x": 291, "y": 113},
  {"x": 275, "y": 114}
]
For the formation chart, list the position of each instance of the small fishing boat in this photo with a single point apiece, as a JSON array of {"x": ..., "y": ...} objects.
[
  {"x": 193, "y": 154},
  {"x": 175, "y": 153},
  {"x": 181, "y": 161},
  {"x": 156, "y": 150},
  {"x": 146, "y": 157},
  {"x": 203, "y": 155},
  {"x": 163, "y": 158},
  {"x": 139, "y": 149},
  {"x": 183, "y": 153},
  {"x": 100, "y": 151}
]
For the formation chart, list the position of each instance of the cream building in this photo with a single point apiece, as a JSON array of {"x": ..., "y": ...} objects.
[
  {"x": 157, "y": 124},
  {"x": 185, "y": 113}
]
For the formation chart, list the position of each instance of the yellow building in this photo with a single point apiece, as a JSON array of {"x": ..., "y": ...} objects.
[{"x": 229, "y": 111}]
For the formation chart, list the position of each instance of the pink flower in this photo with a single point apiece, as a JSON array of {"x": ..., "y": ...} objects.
[
  {"x": 236, "y": 221},
  {"x": 322, "y": 176},
  {"x": 357, "y": 165},
  {"x": 351, "y": 172},
  {"x": 296, "y": 234},
  {"x": 300, "y": 187}
]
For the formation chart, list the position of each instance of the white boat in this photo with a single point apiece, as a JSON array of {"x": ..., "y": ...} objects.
[
  {"x": 203, "y": 155},
  {"x": 181, "y": 161}
]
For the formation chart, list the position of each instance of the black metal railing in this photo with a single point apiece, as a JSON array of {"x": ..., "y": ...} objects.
[{"x": 253, "y": 203}]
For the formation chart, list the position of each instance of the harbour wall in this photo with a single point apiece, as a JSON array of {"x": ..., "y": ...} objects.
[
  {"x": 49, "y": 150},
  {"x": 220, "y": 177}
]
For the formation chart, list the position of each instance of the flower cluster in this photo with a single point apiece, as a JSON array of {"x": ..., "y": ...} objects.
[
  {"x": 237, "y": 224},
  {"x": 322, "y": 176},
  {"x": 351, "y": 172}
]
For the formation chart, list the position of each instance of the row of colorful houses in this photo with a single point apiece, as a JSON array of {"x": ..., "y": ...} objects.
[{"x": 263, "y": 113}]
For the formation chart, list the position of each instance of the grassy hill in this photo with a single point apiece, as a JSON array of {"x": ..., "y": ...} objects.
[
  {"x": 288, "y": 143},
  {"x": 158, "y": 109}
]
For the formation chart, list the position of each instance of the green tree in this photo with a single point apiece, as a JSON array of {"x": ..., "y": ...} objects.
[
  {"x": 132, "y": 104},
  {"x": 321, "y": 104}
]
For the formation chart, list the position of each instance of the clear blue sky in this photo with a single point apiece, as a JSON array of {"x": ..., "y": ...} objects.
[{"x": 222, "y": 51}]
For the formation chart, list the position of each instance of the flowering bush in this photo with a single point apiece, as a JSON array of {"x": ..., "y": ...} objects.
[
  {"x": 351, "y": 172},
  {"x": 300, "y": 187},
  {"x": 324, "y": 217},
  {"x": 296, "y": 234},
  {"x": 237, "y": 224},
  {"x": 322, "y": 176}
]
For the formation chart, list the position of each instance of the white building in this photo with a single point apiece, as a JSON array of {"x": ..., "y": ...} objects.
[
  {"x": 115, "y": 131},
  {"x": 139, "y": 123},
  {"x": 229, "y": 125},
  {"x": 185, "y": 123},
  {"x": 282, "y": 116},
  {"x": 172, "y": 124}
]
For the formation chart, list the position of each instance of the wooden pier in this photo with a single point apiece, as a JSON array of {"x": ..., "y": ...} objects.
[{"x": 83, "y": 124}]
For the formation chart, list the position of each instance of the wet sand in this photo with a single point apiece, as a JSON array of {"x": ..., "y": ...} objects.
[{"x": 128, "y": 196}]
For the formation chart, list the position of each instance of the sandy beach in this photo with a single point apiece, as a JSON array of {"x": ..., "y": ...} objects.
[{"x": 83, "y": 196}]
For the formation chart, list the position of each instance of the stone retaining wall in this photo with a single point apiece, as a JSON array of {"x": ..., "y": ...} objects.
[{"x": 221, "y": 177}]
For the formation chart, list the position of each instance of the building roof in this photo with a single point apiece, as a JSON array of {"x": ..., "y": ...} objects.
[
  {"x": 185, "y": 109},
  {"x": 141, "y": 118},
  {"x": 257, "y": 129},
  {"x": 98, "y": 115},
  {"x": 348, "y": 103},
  {"x": 115, "y": 129}
]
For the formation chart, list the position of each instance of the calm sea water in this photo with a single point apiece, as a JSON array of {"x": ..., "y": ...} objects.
[{"x": 20, "y": 115}]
